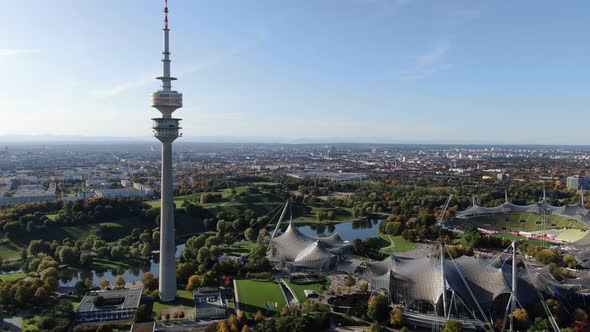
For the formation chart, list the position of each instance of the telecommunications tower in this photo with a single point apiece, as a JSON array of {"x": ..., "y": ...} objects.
[{"x": 167, "y": 129}]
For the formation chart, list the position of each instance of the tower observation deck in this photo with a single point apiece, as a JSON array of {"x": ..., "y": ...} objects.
[{"x": 167, "y": 129}]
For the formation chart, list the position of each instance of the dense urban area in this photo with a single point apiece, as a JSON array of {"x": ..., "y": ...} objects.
[{"x": 296, "y": 237}]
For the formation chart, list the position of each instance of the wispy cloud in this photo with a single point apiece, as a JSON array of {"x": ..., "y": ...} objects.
[
  {"x": 427, "y": 63},
  {"x": 124, "y": 86},
  {"x": 144, "y": 80},
  {"x": 17, "y": 51}
]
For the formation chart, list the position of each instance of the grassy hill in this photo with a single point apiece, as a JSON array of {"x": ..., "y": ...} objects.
[{"x": 241, "y": 199}]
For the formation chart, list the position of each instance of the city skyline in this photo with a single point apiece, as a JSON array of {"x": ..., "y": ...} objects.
[{"x": 383, "y": 71}]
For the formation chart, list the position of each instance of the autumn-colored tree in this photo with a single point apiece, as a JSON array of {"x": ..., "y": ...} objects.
[
  {"x": 258, "y": 316},
  {"x": 193, "y": 283},
  {"x": 119, "y": 281},
  {"x": 222, "y": 327},
  {"x": 104, "y": 283},
  {"x": 233, "y": 323},
  {"x": 521, "y": 318},
  {"x": 378, "y": 309},
  {"x": 396, "y": 318}
]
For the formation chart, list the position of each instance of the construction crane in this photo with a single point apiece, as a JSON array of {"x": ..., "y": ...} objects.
[{"x": 442, "y": 215}]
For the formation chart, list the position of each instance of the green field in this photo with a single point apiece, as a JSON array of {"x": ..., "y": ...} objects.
[
  {"x": 299, "y": 289},
  {"x": 398, "y": 244},
  {"x": 12, "y": 277},
  {"x": 253, "y": 294},
  {"x": 184, "y": 299},
  {"x": 572, "y": 235},
  {"x": 523, "y": 221},
  {"x": 239, "y": 248}
]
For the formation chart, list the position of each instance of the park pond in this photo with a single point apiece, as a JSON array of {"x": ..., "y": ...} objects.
[
  {"x": 70, "y": 276},
  {"x": 349, "y": 231}
]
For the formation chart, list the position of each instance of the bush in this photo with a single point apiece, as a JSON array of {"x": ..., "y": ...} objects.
[
  {"x": 258, "y": 275},
  {"x": 46, "y": 323}
]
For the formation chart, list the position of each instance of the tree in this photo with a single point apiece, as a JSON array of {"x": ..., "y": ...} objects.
[
  {"x": 46, "y": 323},
  {"x": 378, "y": 308},
  {"x": 397, "y": 317},
  {"x": 104, "y": 283},
  {"x": 375, "y": 327},
  {"x": 184, "y": 271},
  {"x": 41, "y": 296},
  {"x": 145, "y": 237},
  {"x": 245, "y": 328},
  {"x": 85, "y": 259},
  {"x": 569, "y": 261},
  {"x": 194, "y": 281},
  {"x": 80, "y": 288},
  {"x": 250, "y": 234},
  {"x": 119, "y": 281},
  {"x": 521, "y": 318},
  {"x": 68, "y": 255},
  {"x": 149, "y": 281},
  {"x": 258, "y": 316},
  {"x": 452, "y": 326},
  {"x": 38, "y": 246},
  {"x": 143, "y": 314}
]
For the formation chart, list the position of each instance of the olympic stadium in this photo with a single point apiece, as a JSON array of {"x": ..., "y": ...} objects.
[{"x": 475, "y": 291}]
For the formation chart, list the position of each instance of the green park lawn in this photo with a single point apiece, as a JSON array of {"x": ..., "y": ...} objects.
[
  {"x": 12, "y": 277},
  {"x": 253, "y": 294},
  {"x": 399, "y": 244},
  {"x": 184, "y": 299},
  {"x": 299, "y": 289},
  {"x": 259, "y": 202}
]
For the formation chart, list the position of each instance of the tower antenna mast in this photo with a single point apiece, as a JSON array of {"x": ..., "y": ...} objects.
[{"x": 166, "y": 130}]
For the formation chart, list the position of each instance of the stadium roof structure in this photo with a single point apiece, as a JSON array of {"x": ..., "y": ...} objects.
[
  {"x": 298, "y": 250},
  {"x": 473, "y": 282},
  {"x": 575, "y": 211}
]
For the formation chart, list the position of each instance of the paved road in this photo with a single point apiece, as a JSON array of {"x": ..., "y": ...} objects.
[{"x": 13, "y": 324}]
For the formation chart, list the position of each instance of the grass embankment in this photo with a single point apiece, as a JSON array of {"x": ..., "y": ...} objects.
[
  {"x": 299, "y": 289},
  {"x": 397, "y": 244},
  {"x": 524, "y": 221},
  {"x": 254, "y": 294},
  {"x": 184, "y": 301},
  {"x": 239, "y": 248}
]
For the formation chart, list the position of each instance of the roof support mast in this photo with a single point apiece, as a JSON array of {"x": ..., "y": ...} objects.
[
  {"x": 442, "y": 276},
  {"x": 513, "y": 298}
]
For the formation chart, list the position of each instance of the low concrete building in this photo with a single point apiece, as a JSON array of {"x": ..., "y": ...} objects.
[
  {"x": 209, "y": 303},
  {"x": 119, "y": 304}
]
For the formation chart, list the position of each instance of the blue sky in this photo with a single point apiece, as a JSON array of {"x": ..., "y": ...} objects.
[{"x": 386, "y": 70}]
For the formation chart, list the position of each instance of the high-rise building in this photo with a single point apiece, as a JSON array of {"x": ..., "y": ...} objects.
[
  {"x": 167, "y": 129},
  {"x": 577, "y": 182}
]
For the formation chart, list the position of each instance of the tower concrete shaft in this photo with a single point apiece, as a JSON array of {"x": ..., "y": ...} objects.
[
  {"x": 167, "y": 129},
  {"x": 167, "y": 238}
]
